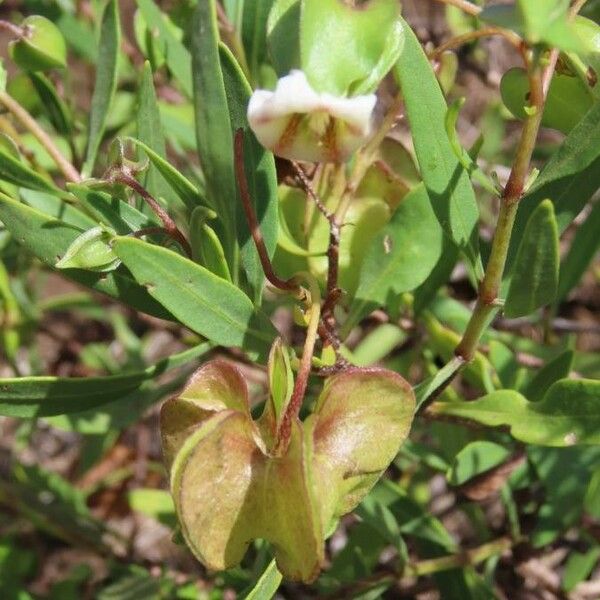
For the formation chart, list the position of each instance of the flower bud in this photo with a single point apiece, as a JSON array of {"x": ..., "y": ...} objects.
[{"x": 41, "y": 46}]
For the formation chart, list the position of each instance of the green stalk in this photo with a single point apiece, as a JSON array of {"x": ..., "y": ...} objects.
[{"x": 487, "y": 301}]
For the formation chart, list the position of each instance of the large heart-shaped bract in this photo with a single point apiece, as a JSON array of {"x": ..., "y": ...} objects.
[{"x": 229, "y": 489}]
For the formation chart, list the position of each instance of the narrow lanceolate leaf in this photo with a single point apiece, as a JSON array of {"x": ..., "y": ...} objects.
[
  {"x": 475, "y": 458},
  {"x": 58, "y": 112},
  {"x": 48, "y": 239},
  {"x": 15, "y": 171},
  {"x": 106, "y": 81},
  {"x": 535, "y": 277},
  {"x": 254, "y": 32},
  {"x": 267, "y": 585},
  {"x": 53, "y": 206},
  {"x": 149, "y": 131},
  {"x": 112, "y": 211},
  {"x": 176, "y": 54},
  {"x": 446, "y": 180},
  {"x": 584, "y": 247},
  {"x": 213, "y": 129},
  {"x": 569, "y": 178},
  {"x": 400, "y": 257},
  {"x": 28, "y": 397},
  {"x": 552, "y": 371},
  {"x": 568, "y": 414},
  {"x": 181, "y": 185},
  {"x": 260, "y": 172},
  {"x": 200, "y": 299}
]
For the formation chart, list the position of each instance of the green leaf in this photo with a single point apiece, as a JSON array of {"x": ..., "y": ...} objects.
[
  {"x": 475, "y": 458},
  {"x": 254, "y": 33},
  {"x": 106, "y": 82},
  {"x": 547, "y": 21},
  {"x": 176, "y": 54},
  {"x": 446, "y": 180},
  {"x": 206, "y": 246},
  {"x": 91, "y": 250},
  {"x": 579, "y": 567},
  {"x": 568, "y": 414},
  {"x": 267, "y": 585},
  {"x": 378, "y": 344},
  {"x": 154, "y": 503},
  {"x": 371, "y": 37},
  {"x": 556, "y": 369},
  {"x": 213, "y": 130},
  {"x": 55, "y": 506},
  {"x": 574, "y": 166},
  {"x": 122, "y": 412},
  {"x": 584, "y": 247},
  {"x": 592, "y": 495},
  {"x": 259, "y": 165},
  {"x": 15, "y": 171},
  {"x": 439, "y": 276},
  {"x": 110, "y": 210},
  {"x": 200, "y": 299},
  {"x": 400, "y": 257},
  {"x": 534, "y": 281},
  {"x": 538, "y": 21},
  {"x": 149, "y": 131},
  {"x": 58, "y": 112},
  {"x": 563, "y": 473},
  {"x": 53, "y": 206},
  {"x": 183, "y": 187},
  {"x": 29, "y": 397},
  {"x": 48, "y": 239},
  {"x": 283, "y": 35},
  {"x": 424, "y": 390},
  {"x": 281, "y": 386},
  {"x": 567, "y": 102}
]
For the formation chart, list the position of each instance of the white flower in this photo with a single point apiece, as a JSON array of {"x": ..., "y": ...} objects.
[{"x": 298, "y": 123}]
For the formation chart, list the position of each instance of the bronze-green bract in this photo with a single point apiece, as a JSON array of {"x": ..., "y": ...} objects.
[{"x": 230, "y": 488}]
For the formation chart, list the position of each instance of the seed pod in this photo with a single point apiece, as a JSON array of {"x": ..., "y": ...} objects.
[{"x": 41, "y": 47}]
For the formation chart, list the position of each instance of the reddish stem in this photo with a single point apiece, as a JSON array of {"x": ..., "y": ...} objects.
[
  {"x": 170, "y": 226},
  {"x": 289, "y": 285}
]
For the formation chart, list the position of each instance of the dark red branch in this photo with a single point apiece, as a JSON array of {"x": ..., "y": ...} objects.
[
  {"x": 170, "y": 227},
  {"x": 259, "y": 242}
]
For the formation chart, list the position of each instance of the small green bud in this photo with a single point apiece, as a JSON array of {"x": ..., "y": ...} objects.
[
  {"x": 92, "y": 251},
  {"x": 41, "y": 47}
]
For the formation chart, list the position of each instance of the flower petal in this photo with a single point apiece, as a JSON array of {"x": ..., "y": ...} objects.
[{"x": 298, "y": 123}]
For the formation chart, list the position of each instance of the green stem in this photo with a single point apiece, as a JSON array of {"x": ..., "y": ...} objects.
[
  {"x": 462, "y": 559},
  {"x": 68, "y": 170},
  {"x": 487, "y": 301}
]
